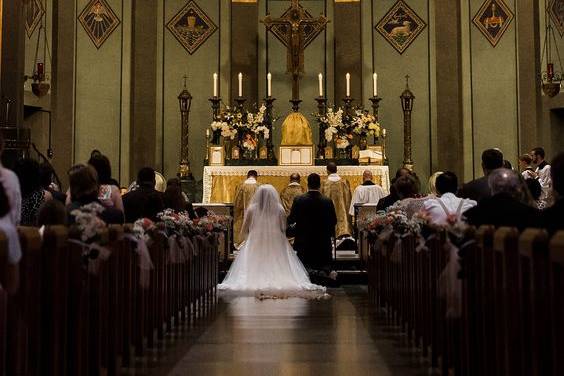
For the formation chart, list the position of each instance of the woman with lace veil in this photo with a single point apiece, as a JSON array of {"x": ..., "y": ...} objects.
[{"x": 267, "y": 265}]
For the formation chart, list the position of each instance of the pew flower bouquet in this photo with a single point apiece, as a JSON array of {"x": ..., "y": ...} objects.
[
  {"x": 173, "y": 223},
  {"x": 89, "y": 224},
  {"x": 142, "y": 229},
  {"x": 211, "y": 223}
]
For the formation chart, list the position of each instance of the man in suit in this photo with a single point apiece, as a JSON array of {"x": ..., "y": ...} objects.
[
  {"x": 507, "y": 205},
  {"x": 314, "y": 219},
  {"x": 145, "y": 201},
  {"x": 479, "y": 189},
  {"x": 552, "y": 218}
]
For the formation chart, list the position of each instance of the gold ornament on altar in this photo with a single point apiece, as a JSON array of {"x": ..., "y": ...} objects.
[{"x": 296, "y": 130}]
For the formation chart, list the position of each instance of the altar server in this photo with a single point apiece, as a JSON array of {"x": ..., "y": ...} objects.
[
  {"x": 367, "y": 193},
  {"x": 243, "y": 195}
]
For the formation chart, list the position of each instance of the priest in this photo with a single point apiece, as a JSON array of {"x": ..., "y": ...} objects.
[
  {"x": 339, "y": 191},
  {"x": 243, "y": 196},
  {"x": 367, "y": 193},
  {"x": 290, "y": 192}
]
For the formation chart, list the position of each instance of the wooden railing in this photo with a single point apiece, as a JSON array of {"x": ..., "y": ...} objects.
[
  {"x": 72, "y": 317},
  {"x": 512, "y": 299}
]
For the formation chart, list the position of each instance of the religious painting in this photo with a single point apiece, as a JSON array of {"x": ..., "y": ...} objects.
[
  {"x": 401, "y": 26},
  {"x": 191, "y": 27},
  {"x": 99, "y": 21},
  {"x": 33, "y": 11},
  {"x": 556, "y": 11},
  {"x": 493, "y": 19},
  {"x": 283, "y": 32}
]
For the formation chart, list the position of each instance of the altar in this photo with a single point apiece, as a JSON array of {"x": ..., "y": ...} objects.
[{"x": 220, "y": 182}]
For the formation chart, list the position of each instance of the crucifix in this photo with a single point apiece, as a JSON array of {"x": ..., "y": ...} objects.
[{"x": 295, "y": 20}]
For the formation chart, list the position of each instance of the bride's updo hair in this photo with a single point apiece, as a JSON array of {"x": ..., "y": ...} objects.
[{"x": 266, "y": 197}]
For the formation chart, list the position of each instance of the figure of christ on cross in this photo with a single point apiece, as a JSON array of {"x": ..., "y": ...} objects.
[{"x": 295, "y": 20}]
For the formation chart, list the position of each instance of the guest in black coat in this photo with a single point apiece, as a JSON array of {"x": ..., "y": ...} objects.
[
  {"x": 145, "y": 201},
  {"x": 479, "y": 189},
  {"x": 83, "y": 182},
  {"x": 313, "y": 218},
  {"x": 510, "y": 203},
  {"x": 393, "y": 197},
  {"x": 553, "y": 217}
]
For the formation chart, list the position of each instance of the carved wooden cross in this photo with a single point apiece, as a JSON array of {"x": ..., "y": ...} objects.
[{"x": 296, "y": 20}]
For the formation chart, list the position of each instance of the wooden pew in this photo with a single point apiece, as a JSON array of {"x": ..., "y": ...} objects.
[
  {"x": 3, "y": 301},
  {"x": 556, "y": 288}
]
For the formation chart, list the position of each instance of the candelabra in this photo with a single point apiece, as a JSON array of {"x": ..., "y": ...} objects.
[
  {"x": 269, "y": 120},
  {"x": 215, "y": 105},
  {"x": 185, "y": 102},
  {"x": 407, "y": 99},
  {"x": 375, "y": 109},
  {"x": 321, "y": 110},
  {"x": 348, "y": 104},
  {"x": 240, "y": 103}
]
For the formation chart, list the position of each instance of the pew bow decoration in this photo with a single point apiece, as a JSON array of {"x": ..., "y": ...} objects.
[
  {"x": 140, "y": 236},
  {"x": 90, "y": 232}
]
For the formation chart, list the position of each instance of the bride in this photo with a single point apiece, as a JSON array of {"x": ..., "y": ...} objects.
[{"x": 267, "y": 265}]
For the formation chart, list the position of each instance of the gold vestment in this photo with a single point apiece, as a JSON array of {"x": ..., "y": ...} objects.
[
  {"x": 243, "y": 196},
  {"x": 340, "y": 193},
  {"x": 288, "y": 195},
  {"x": 296, "y": 130}
]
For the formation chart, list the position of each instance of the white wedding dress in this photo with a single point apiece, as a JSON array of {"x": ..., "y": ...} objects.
[{"x": 267, "y": 265}]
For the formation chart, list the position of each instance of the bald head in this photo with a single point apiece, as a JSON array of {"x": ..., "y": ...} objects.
[
  {"x": 332, "y": 168},
  {"x": 367, "y": 175},
  {"x": 505, "y": 181},
  {"x": 295, "y": 178}
]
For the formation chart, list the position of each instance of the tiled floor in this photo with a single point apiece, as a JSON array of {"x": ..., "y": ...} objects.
[{"x": 339, "y": 336}]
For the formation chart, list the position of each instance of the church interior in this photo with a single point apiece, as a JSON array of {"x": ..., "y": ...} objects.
[{"x": 134, "y": 135}]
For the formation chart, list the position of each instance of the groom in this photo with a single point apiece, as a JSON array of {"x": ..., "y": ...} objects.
[{"x": 314, "y": 219}]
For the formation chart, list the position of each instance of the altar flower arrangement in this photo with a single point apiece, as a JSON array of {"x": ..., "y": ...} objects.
[
  {"x": 234, "y": 123},
  {"x": 333, "y": 122},
  {"x": 365, "y": 124}
]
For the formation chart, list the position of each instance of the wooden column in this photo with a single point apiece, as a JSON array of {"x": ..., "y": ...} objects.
[
  {"x": 449, "y": 99},
  {"x": 12, "y": 62},
  {"x": 143, "y": 85}
]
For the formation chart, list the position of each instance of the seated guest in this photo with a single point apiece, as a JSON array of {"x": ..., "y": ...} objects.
[
  {"x": 33, "y": 194},
  {"x": 52, "y": 212},
  {"x": 525, "y": 165},
  {"x": 553, "y": 217},
  {"x": 109, "y": 194},
  {"x": 535, "y": 189},
  {"x": 507, "y": 164},
  {"x": 408, "y": 188},
  {"x": 145, "y": 201},
  {"x": 508, "y": 204},
  {"x": 447, "y": 208},
  {"x": 10, "y": 212},
  {"x": 367, "y": 193},
  {"x": 175, "y": 199},
  {"x": 290, "y": 192},
  {"x": 479, "y": 189},
  {"x": 391, "y": 199},
  {"x": 432, "y": 186},
  {"x": 83, "y": 183},
  {"x": 46, "y": 176}
]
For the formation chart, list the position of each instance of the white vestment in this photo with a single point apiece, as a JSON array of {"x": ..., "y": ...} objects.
[
  {"x": 366, "y": 194},
  {"x": 545, "y": 181}
]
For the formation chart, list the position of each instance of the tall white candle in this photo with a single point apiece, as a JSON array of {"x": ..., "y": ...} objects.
[
  {"x": 240, "y": 84},
  {"x": 348, "y": 77},
  {"x": 375, "y": 91},
  {"x": 215, "y": 84},
  {"x": 320, "y": 76},
  {"x": 269, "y": 85}
]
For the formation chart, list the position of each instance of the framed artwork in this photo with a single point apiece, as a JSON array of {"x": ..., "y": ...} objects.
[
  {"x": 216, "y": 156},
  {"x": 493, "y": 19},
  {"x": 191, "y": 26},
  {"x": 401, "y": 26},
  {"x": 556, "y": 11},
  {"x": 99, "y": 21},
  {"x": 33, "y": 12}
]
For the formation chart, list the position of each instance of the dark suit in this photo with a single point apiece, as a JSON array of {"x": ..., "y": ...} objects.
[
  {"x": 503, "y": 210},
  {"x": 144, "y": 202},
  {"x": 315, "y": 219},
  {"x": 476, "y": 189},
  {"x": 109, "y": 215},
  {"x": 553, "y": 218}
]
